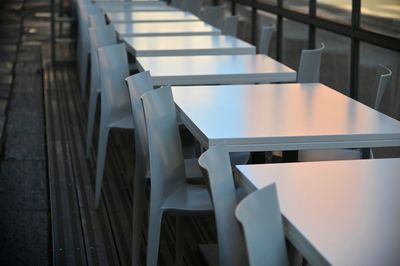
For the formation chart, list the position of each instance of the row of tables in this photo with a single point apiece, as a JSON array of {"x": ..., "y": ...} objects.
[{"x": 341, "y": 212}]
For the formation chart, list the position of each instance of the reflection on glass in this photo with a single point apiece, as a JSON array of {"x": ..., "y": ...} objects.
[
  {"x": 266, "y": 19},
  {"x": 382, "y": 16},
  {"x": 295, "y": 39},
  {"x": 335, "y": 61},
  {"x": 297, "y": 5},
  {"x": 244, "y": 27},
  {"x": 337, "y": 10},
  {"x": 370, "y": 58},
  {"x": 271, "y": 2}
]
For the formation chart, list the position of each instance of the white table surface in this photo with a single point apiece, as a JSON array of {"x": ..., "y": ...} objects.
[
  {"x": 215, "y": 69},
  {"x": 282, "y": 117},
  {"x": 165, "y": 29},
  {"x": 187, "y": 45},
  {"x": 149, "y": 8},
  {"x": 337, "y": 212},
  {"x": 148, "y": 16},
  {"x": 131, "y": 2}
]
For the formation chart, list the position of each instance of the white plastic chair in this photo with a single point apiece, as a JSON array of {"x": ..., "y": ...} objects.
[
  {"x": 262, "y": 226},
  {"x": 83, "y": 49},
  {"x": 138, "y": 85},
  {"x": 169, "y": 191},
  {"x": 217, "y": 169},
  {"x": 116, "y": 111},
  {"x": 309, "y": 67},
  {"x": 214, "y": 15},
  {"x": 99, "y": 37},
  {"x": 348, "y": 154},
  {"x": 97, "y": 20},
  {"x": 230, "y": 25},
  {"x": 176, "y": 3},
  {"x": 193, "y": 6},
  {"x": 265, "y": 39}
]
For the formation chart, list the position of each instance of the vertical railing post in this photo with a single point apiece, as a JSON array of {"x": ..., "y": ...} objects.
[
  {"x": 355, "y": 49},
  {"x": 53, "y": 32}
]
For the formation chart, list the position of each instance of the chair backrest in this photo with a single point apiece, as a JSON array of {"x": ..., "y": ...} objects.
[
  {"x": 214, "y": 15},
  {"x": 176, "y": 3},
  {"x": 97, "y": 20},
  {"x": 384, "y": 80},
  {"x": 265, "y": 39},
  {"x": 138, "y": 85},
  {"x": 310, "y": 64},
  {"x": 167, "y": 169},
  {"x": 215, "y": 164},
  {"x": 262, "y": 226},
  {"x": 193, "y": 6},
  {"x": 99, "y": 37},
  {"x": 113, "y": 69},
  {"x": 230, "y": 25}
]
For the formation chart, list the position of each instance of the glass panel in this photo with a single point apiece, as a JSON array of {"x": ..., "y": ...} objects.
[
  {"x": 335, "y": 61},
  {"x": 371, "y": 57},
  {"x": 266, "y": 19},
  {"x": 381, "y": 16},
  {"x": 271, "y": 2},
  {"x": 337, "y": 10},
  {"x": 295, "y": 39},
  {"x": 297, "y": 5},
  {"x": 244, "y": 27}
]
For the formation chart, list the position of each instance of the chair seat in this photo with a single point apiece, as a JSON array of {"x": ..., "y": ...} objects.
[
  {"x": 126, "y": 122},
  {"x": 329, "y": 155},
  {"x": 189, "y": 198}
]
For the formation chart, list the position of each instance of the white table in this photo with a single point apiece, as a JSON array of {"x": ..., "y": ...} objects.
[
  {"x": 187, "y": 45},
  {"x": 131, "y": 2},
  {"x": 215, "y": 69},
  {"x": 337, "y": 212},
  {"x": 148, "y": 16},
  {"x": 165, "y": 29},
  {"x": 149, "y": 8},
  {"x": 282, "y": 117}
]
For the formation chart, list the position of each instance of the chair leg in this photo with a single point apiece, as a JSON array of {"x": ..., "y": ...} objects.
[
  {"x": 91, "y": 115},
  {"x": 179, "y": 235},
  {"x": 101, "y": 157},
  {"x": 153, "y": 237},
  {"x": 139, "y": 184}
]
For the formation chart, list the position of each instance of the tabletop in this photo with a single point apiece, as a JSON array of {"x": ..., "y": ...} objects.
[
  {"x": 165, "y": 28},
  {"x": 148, "y": 16},
  {"x": 188, "y": 45},
  {"x": 336, "y": 212},
  {"x": 215, "y": 69},
  {"x": 282, "y": 117},
  {"x": 149, "y": 8}
]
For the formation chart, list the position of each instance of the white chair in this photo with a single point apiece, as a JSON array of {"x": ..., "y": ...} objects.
[
  {"x": 348, "y": 154},
  {"x": 83, "y": 50},
  {"x": 97, "y": 20},
  {"x": 138, "y": 85},
  {"x": 116, "y": 110},
  {"x": 265, "y": 39},
  {"x": 217, "y": 170},
  {"x": 230, "y": 25},
  {"x": 214, "y": 15},
  {"x": 309, "y": 67},
  {"x": 176, "y": 3},
  {"x": 169, "y": 191},
  {"x": 262, "y": 226},
  {"x": 193, "y": 6},
  {"x": 99, "y": 37}
]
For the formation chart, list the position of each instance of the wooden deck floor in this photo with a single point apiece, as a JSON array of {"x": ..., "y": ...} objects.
[{"x": 80, "y": 234}]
